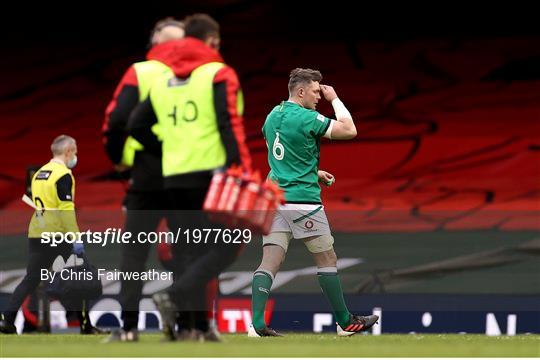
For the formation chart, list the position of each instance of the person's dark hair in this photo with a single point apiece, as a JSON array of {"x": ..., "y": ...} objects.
[
  {"x": 201, "y": 26},
  {"x": 303, "y": 77}
]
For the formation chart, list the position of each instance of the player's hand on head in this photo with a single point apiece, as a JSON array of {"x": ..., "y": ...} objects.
[{"x": 328, "y": 92}]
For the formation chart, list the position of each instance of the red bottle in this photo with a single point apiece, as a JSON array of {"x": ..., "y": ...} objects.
[
  {"x": 248, "y": 195},
  {"x": 266, "y": 206},
  {"x": 214, "y": 192},
  {"x": 229, "y": 196}
]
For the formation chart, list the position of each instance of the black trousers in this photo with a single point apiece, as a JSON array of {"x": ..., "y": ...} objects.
[
  {"x": 40, "y": 256},
  {"x": 201, "y": 262},
  {"x": 145, "y": 210}
]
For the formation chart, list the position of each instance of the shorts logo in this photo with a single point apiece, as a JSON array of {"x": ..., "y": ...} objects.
[{"x": 309, "y": 224}]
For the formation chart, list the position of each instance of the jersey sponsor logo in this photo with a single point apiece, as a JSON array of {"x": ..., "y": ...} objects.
[
  {"x": 320, "y": 118},
  {"x": 309, "y": 224},
  {"x": 43, "y": 175}
]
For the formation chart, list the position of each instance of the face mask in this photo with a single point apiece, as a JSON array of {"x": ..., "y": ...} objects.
[{"x": 72, "y": 162}]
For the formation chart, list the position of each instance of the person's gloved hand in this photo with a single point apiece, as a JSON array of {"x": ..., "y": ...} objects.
[{"x": 78, "y": 248}]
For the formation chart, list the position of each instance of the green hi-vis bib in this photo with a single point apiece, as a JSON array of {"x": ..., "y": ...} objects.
[
  {"x": 147, "y": 72},
  {"x": 187, "y": 117}
]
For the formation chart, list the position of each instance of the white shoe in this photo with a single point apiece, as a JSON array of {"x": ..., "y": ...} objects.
[
  {"x": 357, "y": 324},
  {"x": 252, "y": 332},
  {"x": 264, "y": 332},
  {"x": 342, "y": 332}
]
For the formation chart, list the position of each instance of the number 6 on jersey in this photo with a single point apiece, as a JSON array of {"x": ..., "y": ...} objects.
[{"x": 278, "y": 146}]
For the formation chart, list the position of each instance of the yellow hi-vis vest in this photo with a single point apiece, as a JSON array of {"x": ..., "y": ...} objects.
[
  {"x": 186, "y": 115},
  {"x": 147, "y": 72},
  {"x": 52, "y": 213}
]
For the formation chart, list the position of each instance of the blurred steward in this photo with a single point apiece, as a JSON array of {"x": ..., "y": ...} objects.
[
  {"x": 146, "y": 200},
  {"x": 199, "y": 109}
]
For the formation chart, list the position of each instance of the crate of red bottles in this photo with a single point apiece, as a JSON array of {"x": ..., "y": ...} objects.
[{"x": 238, "y": 198}]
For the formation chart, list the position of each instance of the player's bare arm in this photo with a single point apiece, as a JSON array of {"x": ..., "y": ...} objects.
[{"x": 343, "y": 127}]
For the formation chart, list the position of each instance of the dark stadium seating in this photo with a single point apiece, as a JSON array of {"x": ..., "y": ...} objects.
[{"x": 449, "y": 135}]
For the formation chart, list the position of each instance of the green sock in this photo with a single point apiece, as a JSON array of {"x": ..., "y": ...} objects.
[
  {"x": 331, "y": 287},
  {"x": 260, "y": 290}
]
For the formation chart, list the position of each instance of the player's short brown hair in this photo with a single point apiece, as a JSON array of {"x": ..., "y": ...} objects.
[
  {"x": 201, "y": 26},
  {"x": 301, "y": 76}
]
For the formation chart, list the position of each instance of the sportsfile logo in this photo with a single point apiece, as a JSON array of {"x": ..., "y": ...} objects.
[{"x": 119, "y": 236}]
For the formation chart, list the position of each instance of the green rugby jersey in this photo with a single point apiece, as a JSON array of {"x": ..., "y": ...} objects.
[{"x": 293, "y": 136}]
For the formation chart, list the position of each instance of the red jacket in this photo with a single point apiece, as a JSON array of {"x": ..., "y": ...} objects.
[
  {"x": 182, "y": 56},
  {"x": 125, "y": 98}
]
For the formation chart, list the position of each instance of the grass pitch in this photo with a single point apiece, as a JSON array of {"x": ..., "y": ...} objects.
[{"x": 309, "y": 345}]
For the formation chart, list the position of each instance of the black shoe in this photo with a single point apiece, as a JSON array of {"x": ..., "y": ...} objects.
[
  {"x": 92, "y": 330},
  {"x": 357, "y": 324},
  {"x": 123, "y": 336},
  {"x": 264, "y": 332},
  {"x": 167, "y": 310},
  {"x": 7, "y": 327}
]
